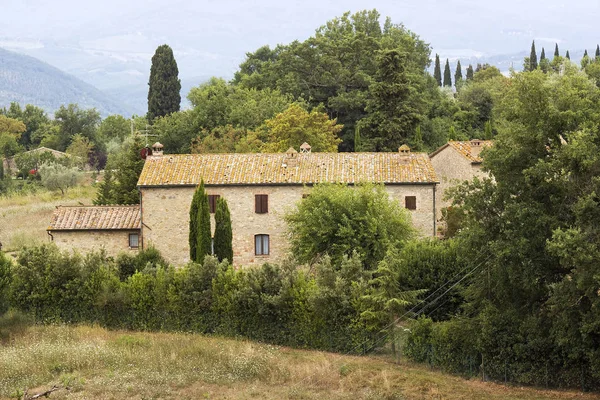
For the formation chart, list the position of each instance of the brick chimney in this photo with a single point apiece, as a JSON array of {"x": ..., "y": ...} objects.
[
  {"x": 305, "y": 148},
  {"x": 476, "y": 146}
]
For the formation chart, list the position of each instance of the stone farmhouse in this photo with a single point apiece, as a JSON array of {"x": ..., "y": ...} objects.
[
  {"x": 456, "y": 162},
  {"x": 87, "y": 228},
  {"x": 259, "y": 189}
]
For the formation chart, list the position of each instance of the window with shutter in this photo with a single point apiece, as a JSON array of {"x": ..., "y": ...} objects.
[
  {"x": 134, "y": 241},
  {"x": 261, "y": 203},
  {"x": 410, "y": 202},
  {"x": 212, "y": 202}
]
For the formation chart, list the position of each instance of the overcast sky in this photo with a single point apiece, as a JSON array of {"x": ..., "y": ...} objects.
[{"x": 211, "y": 37}]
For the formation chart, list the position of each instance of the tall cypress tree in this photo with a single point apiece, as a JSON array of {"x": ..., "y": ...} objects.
[
  {"x": 164, "y": 85},
  {"x": 543, "y": 55},
  {"x": 556, "y": 53},
  {"x": 585, "y": 54},
  {"x": 567, "y": 55},
  {"x": 469, "y": 72},
  {"x": 597, "y": 51},
  {"x": 105, "y": 189},
  {"x": 458, "y": 73},
  {"x": 533, "y": 64},
  {"x": 194, "y": 207},
  {"x": 203, "y": 233},
  {"x": 447, "y": 75},
  {"x": 437, "y": 71},
  {"x": 223, "y": 232}
]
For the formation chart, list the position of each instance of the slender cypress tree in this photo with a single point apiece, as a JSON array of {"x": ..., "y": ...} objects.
[
  {"x": 105, "y": 192},
  {"x": 533, "y": 64},
  {"x": 469, "y": 72},
  {"x": 447, "y": 75},
  {"x": 164, "y": 85},
  {"x": 458, "y": 73},
  {"x": 567, "y": 55},
  {"x": 437, "y": 72},
  {"x": 223, "y": 233},
  {"x": 543, "y": 55},
  {"x": 1, "y": 169},
  {"x": 585, "y": 54},
  {"x": 597, "y": 51},
  {"x": 203, "y": 235},
  {"x": 357, "y": 145},
  {"x": 556, "y": 53},
  {"x": 193, "y": 235}
]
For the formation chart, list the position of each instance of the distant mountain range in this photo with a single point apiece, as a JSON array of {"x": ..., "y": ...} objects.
[{"x": 28, "y": 80}]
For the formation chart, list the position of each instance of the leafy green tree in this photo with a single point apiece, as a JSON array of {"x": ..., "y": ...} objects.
[
  {"x": 164, "y": 86},
  {"x": 362, "y": 219},
  {"x": 227, "y": 139},
  {"x": 295, "y": 126},
  {"x": 33, "y": 117},
  {"x": 114, "y": 127},
  {"x": 469, "y": 72},
  {"x": 447, "y": 75},
  {"x": 437, "y": 72},
  {"x": 72, "y": 120},
  {"x": 556, "y": 52},
  {"x": 223, "y": 241},
  {"x": 336, "y": 66},
  {"x": 203, "y": 233},
  {"x": 393, "y": 113},
  {"x": 59, "y": 177},
  {"x": 5, "y": 281},
  {"x": 458, "y": 73},
  {"x": 80, "y": 148}
]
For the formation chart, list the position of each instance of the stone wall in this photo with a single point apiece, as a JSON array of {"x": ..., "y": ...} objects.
[
  {"x": 165, "y": 218},
  {"x": 113, "y": 241},
  {"x": 451, "y": 169}
]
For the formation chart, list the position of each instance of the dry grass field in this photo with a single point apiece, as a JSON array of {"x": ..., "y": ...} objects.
[
  {"x": 99, "y": 364},
  {"x": 24, "y": 219}
]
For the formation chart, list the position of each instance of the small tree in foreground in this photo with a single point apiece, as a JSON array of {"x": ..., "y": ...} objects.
[
  {"x": 203, "y": 231},
  {"x": 59, "y": 177},
  {"x": 339, "y": 220},
  {"x": 223, "y": 233}
]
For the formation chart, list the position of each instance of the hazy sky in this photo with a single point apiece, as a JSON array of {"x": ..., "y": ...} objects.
[{"x": 211, "y": 37}]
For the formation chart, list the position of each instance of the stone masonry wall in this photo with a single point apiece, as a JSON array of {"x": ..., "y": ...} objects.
[
  {"x": 114, "y": 241},
  {"x": 451, "y": 169},
  {"x": 165, "y": 218}
]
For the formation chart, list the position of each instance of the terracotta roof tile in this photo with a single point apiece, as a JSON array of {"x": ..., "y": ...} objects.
[
  {"x": 272, "y": 168},
  {"x": 95, "y": 218},
  {"x": 464, "y": 148}
]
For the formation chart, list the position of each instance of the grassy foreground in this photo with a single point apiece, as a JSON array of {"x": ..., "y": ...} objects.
[
  {"x": 101, "y": 364},
  {"x": 24, "y": 218}
]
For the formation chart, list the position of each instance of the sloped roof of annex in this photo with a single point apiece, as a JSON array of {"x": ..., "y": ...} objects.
[
  {"x": 464, "y": 149},
  {"x": 72, "y": 218}
]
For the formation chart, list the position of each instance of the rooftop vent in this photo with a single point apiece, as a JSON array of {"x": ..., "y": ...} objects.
[
  {"x": 404, "y": 150},
  {"x": 291, "y": 158},
  {"x": 157, "y": 149},
  {"x": 305, "y": 148},
  {"x": 476, "y": 146}
]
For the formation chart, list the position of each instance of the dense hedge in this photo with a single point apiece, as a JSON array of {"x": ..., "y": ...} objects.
[{"x": 281, "y": 305}]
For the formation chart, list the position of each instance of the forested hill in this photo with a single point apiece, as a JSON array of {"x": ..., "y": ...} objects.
[{"x": 28, "y": 80}]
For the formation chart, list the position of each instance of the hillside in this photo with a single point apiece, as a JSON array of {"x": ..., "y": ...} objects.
[
  {"x": 101, "y": 364},
  {"x": 28, "y": 80}
]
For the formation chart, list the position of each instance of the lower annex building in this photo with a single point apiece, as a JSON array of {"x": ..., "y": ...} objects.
[{"x": 260, "y": 188}]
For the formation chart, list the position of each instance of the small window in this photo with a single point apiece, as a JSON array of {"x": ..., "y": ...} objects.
[
  {"x": 261, "y": 245},
  {"x": 212, "y": 202},
  {"x": 134, "y": 240},
  {"x": 261, "y": 203},
  {"x": 410, "y": 202}
]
